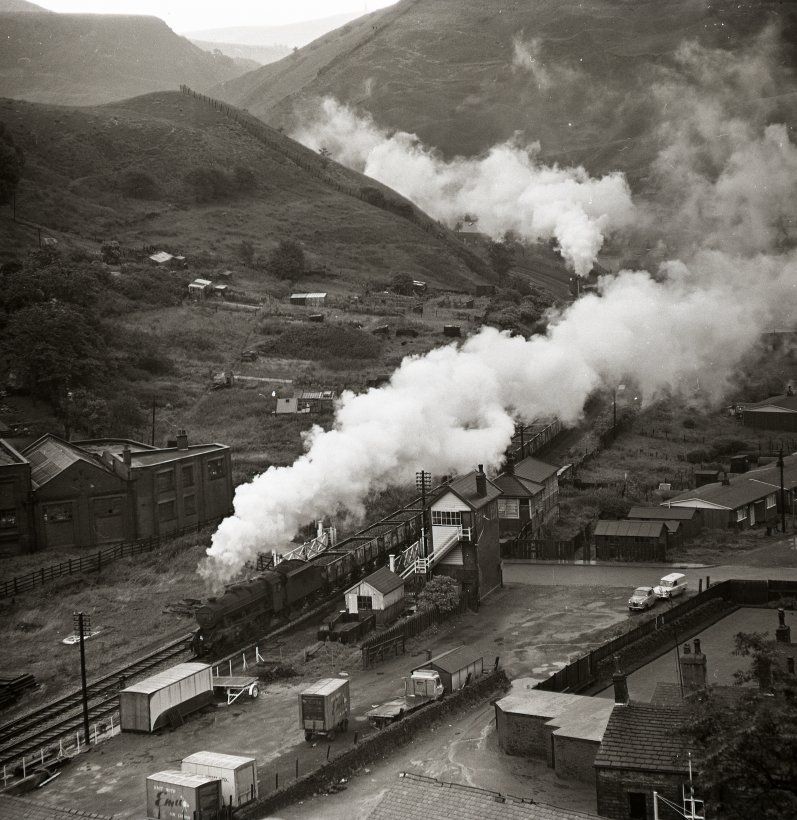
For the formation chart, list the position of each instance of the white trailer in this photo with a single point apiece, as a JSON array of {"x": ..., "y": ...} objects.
[
  {"x": 238, "y": 775},
  {"x": 324, "y": 708}
]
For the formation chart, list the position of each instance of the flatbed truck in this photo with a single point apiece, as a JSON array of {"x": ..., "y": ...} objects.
[{"x": 420, "y": 689}]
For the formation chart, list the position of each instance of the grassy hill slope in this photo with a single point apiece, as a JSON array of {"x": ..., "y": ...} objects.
[
  {"x": 89, "y": 59},
  {"x": 578, "y": 79},
  {"x": 136, "y": 171}
]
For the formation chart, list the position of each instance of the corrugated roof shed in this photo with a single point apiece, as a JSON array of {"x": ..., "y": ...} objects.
[
  {"x": 453, "y": 660},
  {"x": 662, "y": 513},
  {"x": 644, "y": 736},
  {"x": 630, "y": 529},
  {"x": 532, "y": 469},
  {"x": 415, "y": 797}
]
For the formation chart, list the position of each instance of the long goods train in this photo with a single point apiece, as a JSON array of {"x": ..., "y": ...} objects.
[{"x": 252, "y": 606}]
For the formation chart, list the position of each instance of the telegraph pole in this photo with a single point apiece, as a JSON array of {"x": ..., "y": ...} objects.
[
  {"x": 423, "y": 481},
  {"x": 782, "y": 493},
  {"x": 79, "y": 617}
]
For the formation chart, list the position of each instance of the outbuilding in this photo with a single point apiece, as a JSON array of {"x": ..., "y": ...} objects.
[
  {"x": 308, "y": 299},
  {"x": 238, "y": 775},
  {"x": 380, "y": 594},
  {"x": 776, "y": 413},
  {"x": 456, "y": 667},
  {"x": 631, "y": 540},
  {"x": 168, "y": 696}
]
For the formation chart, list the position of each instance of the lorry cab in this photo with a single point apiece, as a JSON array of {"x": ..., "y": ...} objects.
[
  {"x": 671, "y": 585},
  {"x": 424, "y": 683}
]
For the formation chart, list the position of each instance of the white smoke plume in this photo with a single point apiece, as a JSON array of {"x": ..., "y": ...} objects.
[
  {"x": 506, "y": 189},
  {"x": 696, "y": 316}
]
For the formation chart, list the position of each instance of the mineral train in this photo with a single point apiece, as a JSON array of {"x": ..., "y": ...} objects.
[{"x": 251, "y": 607}]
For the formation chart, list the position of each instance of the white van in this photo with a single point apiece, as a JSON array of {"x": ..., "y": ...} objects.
[{"x": 671, "y": 585}]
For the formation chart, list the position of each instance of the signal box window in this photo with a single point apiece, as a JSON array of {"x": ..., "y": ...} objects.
[
  {"x": 446, "y": 518},
  {"x": 216, "y": 468}
]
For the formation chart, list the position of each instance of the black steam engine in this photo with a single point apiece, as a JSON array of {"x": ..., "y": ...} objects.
[{"x": 250, "y": 607}]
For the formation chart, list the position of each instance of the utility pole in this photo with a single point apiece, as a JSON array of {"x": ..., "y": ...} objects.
[
  {"x": 782, "y": 494},
  {"x": 80, "y": 631},
  {"x": 152, "y": 442},
  {"x": 423, "y": 481}
]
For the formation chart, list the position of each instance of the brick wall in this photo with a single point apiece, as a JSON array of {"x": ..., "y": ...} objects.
[
  {"x": 614, "y": 787},
  {"x": 575, "y": 758},
  {"x": 521, "y": 734}
]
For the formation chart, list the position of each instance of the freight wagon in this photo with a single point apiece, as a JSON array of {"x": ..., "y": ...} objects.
[
  {"x": 175, "y": 795},
  {"x": 170, "y": 695},
  {"x": 238, "y": 775},
  {"x": 324, "y": 708}
]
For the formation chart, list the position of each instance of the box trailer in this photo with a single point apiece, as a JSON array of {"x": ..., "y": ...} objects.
[
  {"x": 324, "y": 708},
  {"x": 238, "y": 775},
  {"x": 166, "y": 697},
  {"x": 173, "y": 795},
  {"x": 457, "y": 667}
]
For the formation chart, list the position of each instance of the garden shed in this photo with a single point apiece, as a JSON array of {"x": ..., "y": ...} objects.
[
  {"x": 380, "y": 594},
  {"x": 309, "y": 299},
  {"x": 631, "y": 540}
]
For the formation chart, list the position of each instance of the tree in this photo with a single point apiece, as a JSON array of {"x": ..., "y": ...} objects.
[
  {"x": 441, "y": 592},
  {"x": 287, "y": 260},
  {"x": 246, "y": 252},
  {"x": 403, "y": 284},
  {"x": 500, "y": 258},
  {"x": 747, "y": 746},
  {"x": 11, "y": 162}
]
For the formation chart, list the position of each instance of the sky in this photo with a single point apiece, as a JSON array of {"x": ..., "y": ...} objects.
[{"x": 195, "y": 15}]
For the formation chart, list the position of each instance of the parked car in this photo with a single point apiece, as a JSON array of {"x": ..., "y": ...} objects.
[
  {"x": 671, "y": 585},
  {"x": 642, "y": 598}
]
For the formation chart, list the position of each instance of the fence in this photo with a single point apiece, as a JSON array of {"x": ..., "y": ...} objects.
[
  {"x": 387, "y": 643},
  {"x": 95, "y": 561}
]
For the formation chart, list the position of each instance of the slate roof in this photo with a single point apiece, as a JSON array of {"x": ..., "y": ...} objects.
[
  {"x": 415, "y": 797},
  {"x": 50, "y": 456},
  {"x": 646, "y": 737},
  {"x": 788, "y": 403},
  {"x": 630, "y": 529},
  {"x": 532, "y": 469},
  {"x": 662, "y": 513},
  {"x": 465, "y": 487},
  {"x": 511, "y": 485},
  {"x": 453, "y": 660},
  {"x": 383, "y": 580},
  {"x": 15, "y": 808}
]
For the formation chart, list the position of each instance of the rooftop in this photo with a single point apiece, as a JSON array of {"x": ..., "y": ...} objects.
[
  {"x": 9, "y": 456},
  {"x": 416, "y": 797},
  {"x": 453, "y": 660},
  {"x": 50, "y": 456},
  {"x": 781, "y": 403},
  {"x": 532, "y": 469},
  {"x": 662, "y": 513},
  {"x": 630, "y": 529},
  {"x": 512, "y": 485},
  {"x": 644, "y": 736},
  {"x": 147, "y": 458},
  {"x": 465, "y": 487},
  {"x": 383, "y": 580}
]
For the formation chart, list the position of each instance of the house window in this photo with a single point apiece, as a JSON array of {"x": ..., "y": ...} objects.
[
  {"x": 216, "y": 468},
  {"x": 57, "y": 513},
  {"x": 509, "y": 508},
  {"x": 741, "y": 514},
  {"x": 364, "y": 602},
  {"x": 189, "y": 504},
  {"x": 637, "y": 806},
  {"x": 166, "y": 511},
  {"x": 771, "y": 501},
  {"x": 165, "y": 481},
  {"x": 8, "y": 519},
  {"x": 446, "y": 518},
  {"x": 188, "y": 475}
]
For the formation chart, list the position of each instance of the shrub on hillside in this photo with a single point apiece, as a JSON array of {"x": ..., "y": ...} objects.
[
  {"x": 698, "y": 456},
  {"x": 209, "y": 184},
  {"x": 138, "y": 184},
  {"x": 441, "y": 592},
  {"x": 287, "y": 260},
  {"x": 728, "y": 446},
  {"x": 245, "y": 178}
]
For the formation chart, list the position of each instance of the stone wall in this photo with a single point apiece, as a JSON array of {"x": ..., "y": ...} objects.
[
  {"x": 575, "y": 758},
  {"x": 614, "y": 788},
  {"x": 377, "y": 746}
]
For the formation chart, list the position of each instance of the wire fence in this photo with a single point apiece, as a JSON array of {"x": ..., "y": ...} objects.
[{"x": 95, "y": 561}]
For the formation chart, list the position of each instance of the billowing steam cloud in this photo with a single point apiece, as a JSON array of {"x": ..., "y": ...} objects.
[
  {"x": 695, "y": 318},
  {"x": 507, "y": 189}
]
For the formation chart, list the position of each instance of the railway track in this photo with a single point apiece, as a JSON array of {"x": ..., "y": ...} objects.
[{"x": 46, "y": 726}]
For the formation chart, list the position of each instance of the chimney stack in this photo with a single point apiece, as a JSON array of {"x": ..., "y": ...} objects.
[
  {"x": 620, "y": 684},
  {"x": 509, "y": 467},
  {"x": 127, "y": 456},
  {"x": 182, "y": 440},
  {"x": 481, "y": 482},
  {"x": 693, "y": 668},
  {"x": 783, "y": 632}
]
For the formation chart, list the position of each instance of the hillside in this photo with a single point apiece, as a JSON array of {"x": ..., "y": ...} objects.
[
  {"x": 466, "y": 74},
  {"x": 248, "y": 57},
  {"x": 19, "y": 5},
  {"x": 83, "y": 59},
  {"x": 168, "y": 169}
]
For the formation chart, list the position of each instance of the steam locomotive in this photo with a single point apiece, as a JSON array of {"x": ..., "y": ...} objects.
[{"x": 251, "y": 607}]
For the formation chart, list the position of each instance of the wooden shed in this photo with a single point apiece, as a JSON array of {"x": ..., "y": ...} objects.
[
  {"x": 457, "y": 667},
  {"x": 631, "y": 540},
  {"x": 380, "y": 594},
  {"x": 168, "y": 696}
]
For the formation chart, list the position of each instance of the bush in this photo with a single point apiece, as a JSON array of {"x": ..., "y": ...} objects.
[
  {"x": 698, "y": 456},
  {"x": 690, "y": 424},
  {"x": 139, "y": 184},
  {"x": 441, "y": 592},
  {"x": 287, "y": 260},
  {"x": 209, "y": 183}
]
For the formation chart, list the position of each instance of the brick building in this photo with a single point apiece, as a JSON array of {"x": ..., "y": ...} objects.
[
  {"x": 16, "y": 508},
  {"x": 529, "y": 498}
]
